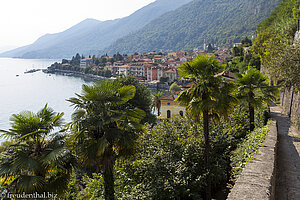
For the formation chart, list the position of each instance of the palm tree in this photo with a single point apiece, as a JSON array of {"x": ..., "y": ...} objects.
[
  {"x": 208, "y": 97},
  {"x": 156, "y": 101},
  {"x": 37, "y": 160},
  {"x": 253, "y": 88},
  {"x": 104, "y": 128}
]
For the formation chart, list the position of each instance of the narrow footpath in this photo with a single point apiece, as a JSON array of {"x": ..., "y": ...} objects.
[{"x": 288, "y": 160}]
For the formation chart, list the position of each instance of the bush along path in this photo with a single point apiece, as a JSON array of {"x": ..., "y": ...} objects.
[{"x": 288, "y": 160}]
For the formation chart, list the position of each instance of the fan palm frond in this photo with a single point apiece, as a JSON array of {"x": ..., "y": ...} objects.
[
  {"x": 253, "y": 88},
  {"x": 31, "y": 162},
  {"x": 28, "y": 184}
]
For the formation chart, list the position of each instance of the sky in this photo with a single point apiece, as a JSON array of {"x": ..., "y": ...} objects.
[{"x": 24, "y": 21}]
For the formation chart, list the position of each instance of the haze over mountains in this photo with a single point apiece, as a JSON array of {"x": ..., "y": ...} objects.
[
  {"x": 91, "y": 35},
  {"x": 6, "y": 48},
  {"x": 161, "y": 25}
]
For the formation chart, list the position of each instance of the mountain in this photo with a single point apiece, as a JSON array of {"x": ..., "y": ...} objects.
[
  {"x": 218, "y": 22},
  {"x": 49, "y": 40},
  {"x": 92, "y": 35},
  {"x": 7, "y": 48}
]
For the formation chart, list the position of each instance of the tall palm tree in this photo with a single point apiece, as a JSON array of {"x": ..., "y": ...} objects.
[
  {"x": 37, "y": 161},
  {"x": 208, "y": 97},
  {"x": 157, "y": 102},
  {"x": 253, "y": 88},
  {"x": 104, "y": 127}
]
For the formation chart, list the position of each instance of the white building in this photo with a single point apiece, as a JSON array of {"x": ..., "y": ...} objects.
[
  {"x": 124, "y": 69},
  {"x": 137, "y": 70},
  {"x": 86, "y": 62}
]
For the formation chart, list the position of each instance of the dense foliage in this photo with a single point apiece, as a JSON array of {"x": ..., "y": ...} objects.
[
  {"x": 35, "y": 160},
  {"x": 274, "y": 44},
  {"x": 216, "y": 21},
  {"x": 246, "y": 150},
  {"x": 253, "y": 87},
  {"x": 209, "y": 96},
  {"x": 164, "y": 161},
  {"x": 142, "y": 98},
  {"x": 104, "y": 127},
  {"x": 170, "y": 162}
]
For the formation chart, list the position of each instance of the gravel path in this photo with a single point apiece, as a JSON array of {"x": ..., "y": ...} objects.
[{"x": 288, "y": 160}]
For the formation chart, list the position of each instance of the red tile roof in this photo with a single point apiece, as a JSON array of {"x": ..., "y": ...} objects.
[
  {"x": 86, "y": 59},
  {"x": 169, "y": 97}
]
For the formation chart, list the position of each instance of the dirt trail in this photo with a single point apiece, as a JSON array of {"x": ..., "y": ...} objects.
[{"x": 288, "y": 160}]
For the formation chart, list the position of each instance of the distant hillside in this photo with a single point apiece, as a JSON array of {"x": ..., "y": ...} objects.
[
  {"x": 7, "y": 48},
  {"x": 92, "y": 35},
  {"x": 216, "y": 21},
  {"x": 49, "y": 40}
]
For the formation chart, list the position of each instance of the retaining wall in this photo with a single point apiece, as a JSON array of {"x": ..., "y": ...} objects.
[
  {"x": 257, "y": 181},
  {"x": 290, "y": 102}
]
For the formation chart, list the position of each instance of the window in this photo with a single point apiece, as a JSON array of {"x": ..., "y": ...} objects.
[
  {"x": 181, "y": 113},
  {"x": 168, "y": 114},
  {"x": 169, "y": 104}
]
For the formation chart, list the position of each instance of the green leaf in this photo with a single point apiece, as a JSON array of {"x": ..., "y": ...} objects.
[
  {"x": 38, "y": 132},
  {"x": 126, "y": 93}
]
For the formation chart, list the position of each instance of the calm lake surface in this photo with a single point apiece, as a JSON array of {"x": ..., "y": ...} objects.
[{"x": 32, "y": 91}]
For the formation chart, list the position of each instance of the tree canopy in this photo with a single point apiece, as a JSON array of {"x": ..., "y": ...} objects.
[
  {"x": 276, "y": 46},
  {"x": 37, "y": 159},
  {"x": 208, "y": 97},
  {"x": 104, "y": 127}
]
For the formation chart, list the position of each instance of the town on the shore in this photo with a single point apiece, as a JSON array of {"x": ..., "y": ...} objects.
[{"x": 150, "y": 68}]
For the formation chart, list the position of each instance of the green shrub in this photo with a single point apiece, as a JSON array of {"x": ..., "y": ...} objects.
[
  {"x": 169, "y": 162},
  {"x": 247, "y": 149}
]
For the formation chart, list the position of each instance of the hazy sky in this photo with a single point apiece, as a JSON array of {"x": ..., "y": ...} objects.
[{"x": 23, "y": 21}]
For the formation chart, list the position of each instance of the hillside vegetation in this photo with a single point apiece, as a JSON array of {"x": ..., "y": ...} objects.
[
  {"x": 218, "y": 22},
  {"x": 276, "y": 46}
]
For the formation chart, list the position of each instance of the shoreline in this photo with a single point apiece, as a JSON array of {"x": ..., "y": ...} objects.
[
  {"x": 74, "y": 74},
  {"x": 91, "y": 77}
]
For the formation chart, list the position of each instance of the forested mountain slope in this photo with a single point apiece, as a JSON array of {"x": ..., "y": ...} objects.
[{"x": 216, "y": 21}]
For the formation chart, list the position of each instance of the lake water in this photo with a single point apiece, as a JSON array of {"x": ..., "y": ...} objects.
[{"x": 32, "y": 91}]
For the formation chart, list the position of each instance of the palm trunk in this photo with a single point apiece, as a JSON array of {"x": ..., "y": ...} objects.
[
  {"x": 108, "y": 175},
  {"x": 251, "y": 111},
  {"x": 251, "y": 116},
  {"x": 158, "y": 111},
  {"x": 207, "y": 153}
]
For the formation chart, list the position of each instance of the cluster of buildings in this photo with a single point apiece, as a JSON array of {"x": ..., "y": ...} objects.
[{"x": 152, "y": 66}]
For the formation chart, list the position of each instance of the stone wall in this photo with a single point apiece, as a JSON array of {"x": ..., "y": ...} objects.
[
  {"x": 257, "y": 181},
  {"x": 297, "y": 36},
  {"x": 290, "y": 102}
]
